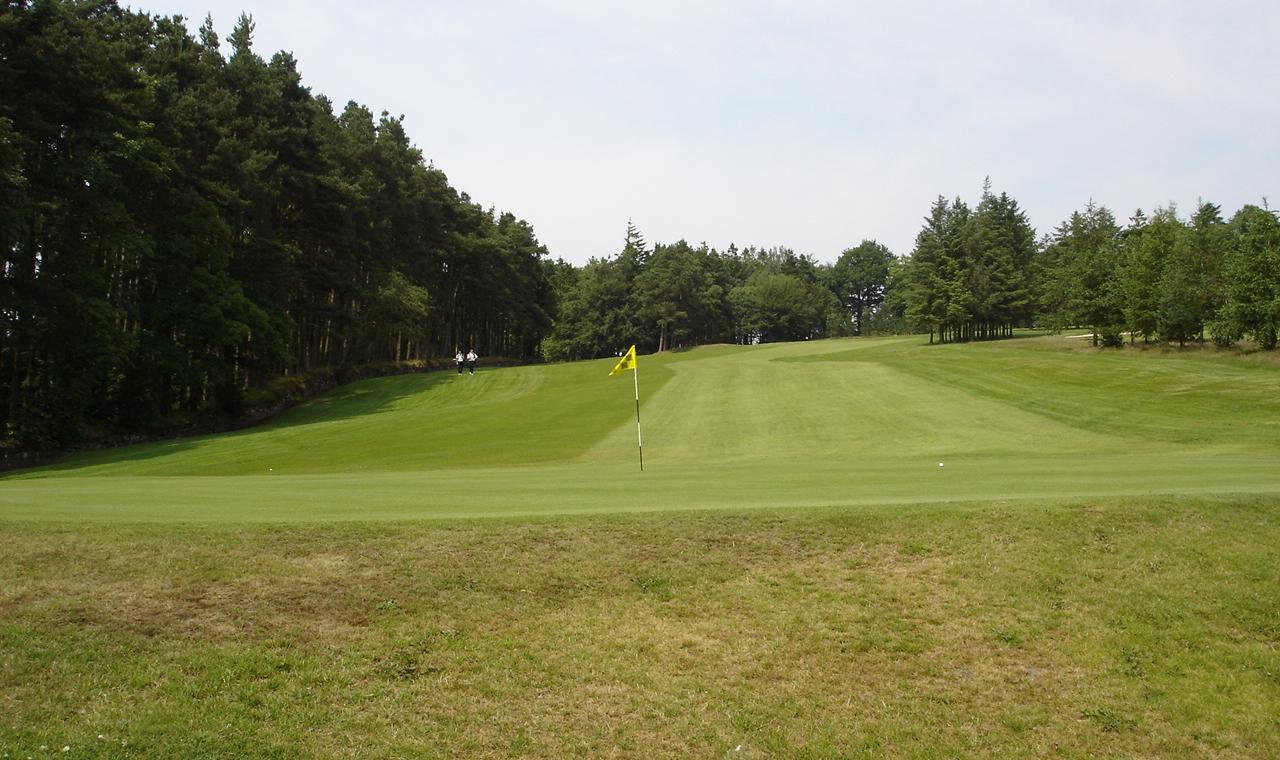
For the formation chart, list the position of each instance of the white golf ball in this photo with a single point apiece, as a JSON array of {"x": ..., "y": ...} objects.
[{"x": 940, "y": 464}]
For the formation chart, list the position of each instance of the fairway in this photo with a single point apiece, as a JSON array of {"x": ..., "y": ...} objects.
[
  {"x": 829, "y": 423},
  {"x": 847, "y": 548}
]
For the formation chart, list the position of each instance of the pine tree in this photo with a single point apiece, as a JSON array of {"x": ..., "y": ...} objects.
[
  {"x": 1144, "y": 249},
  {"x": 1003, "y": 248},
  {"x": 1252, "y": 278},
  {"x": 1208, "y": 243},
  {"x": 923, "y": 279},
  {"x": 1079, "y": 274}
]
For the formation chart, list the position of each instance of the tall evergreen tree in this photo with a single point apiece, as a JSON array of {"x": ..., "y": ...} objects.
[
  {"x": 73, "y": 99},
  {"x": 1251, "y": 308},
  {"x": 1081, "y": 266},
  {"x": 924, "y": 275},
  {"x": 1004, "y": 246},
  {"x": 1208, "y": 245},
  {"x": 1144, "y": 248}
]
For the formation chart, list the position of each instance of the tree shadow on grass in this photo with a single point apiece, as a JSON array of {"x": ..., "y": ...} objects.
[{"x": 357, "y": 399}]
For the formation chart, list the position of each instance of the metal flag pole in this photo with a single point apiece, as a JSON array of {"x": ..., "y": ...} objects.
[{"x": 639, "y": 439}]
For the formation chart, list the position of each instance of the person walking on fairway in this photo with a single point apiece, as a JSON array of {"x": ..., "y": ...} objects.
[
  {"x": 459, "y": 359},
  {"x": 472, "y": 358}
]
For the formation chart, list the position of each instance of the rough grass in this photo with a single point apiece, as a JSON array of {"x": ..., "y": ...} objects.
[{"x": 1082, "y": 629}]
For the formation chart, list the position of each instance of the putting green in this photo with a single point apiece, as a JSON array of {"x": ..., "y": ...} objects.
[{"x": 825, "y": 423}]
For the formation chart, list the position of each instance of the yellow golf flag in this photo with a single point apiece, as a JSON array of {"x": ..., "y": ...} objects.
[{"x": 628, "y": 361}]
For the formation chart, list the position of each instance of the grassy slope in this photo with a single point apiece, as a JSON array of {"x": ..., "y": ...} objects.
[
  {"x": 809, "y": 424},
  {"x": 434, "y": 421}
]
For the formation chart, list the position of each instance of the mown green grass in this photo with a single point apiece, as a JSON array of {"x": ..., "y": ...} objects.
[
  {"x": 1092, "y": 573},
  {"x": 805, "y": 424},
  {"x": 405, "y": 423}
]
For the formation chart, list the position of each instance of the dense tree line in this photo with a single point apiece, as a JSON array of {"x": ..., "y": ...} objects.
[
  {"x": 679, "y": 295},
  {"x": 1162, "y": 277},
  {"x": 969, "y": 276},
  {"x": 975, "y": 273},
  {"x": 978, "y": 273},
  {"x": 178, "y": 228}
]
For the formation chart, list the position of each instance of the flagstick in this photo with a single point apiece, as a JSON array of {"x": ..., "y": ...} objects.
[{"x": 639, "y": 439}]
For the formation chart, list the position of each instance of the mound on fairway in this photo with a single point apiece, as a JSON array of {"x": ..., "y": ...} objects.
[{"x": 828, "y": 423}]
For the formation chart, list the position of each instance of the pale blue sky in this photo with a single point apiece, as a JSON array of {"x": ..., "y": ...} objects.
[{"x": 811, "y": 125}]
